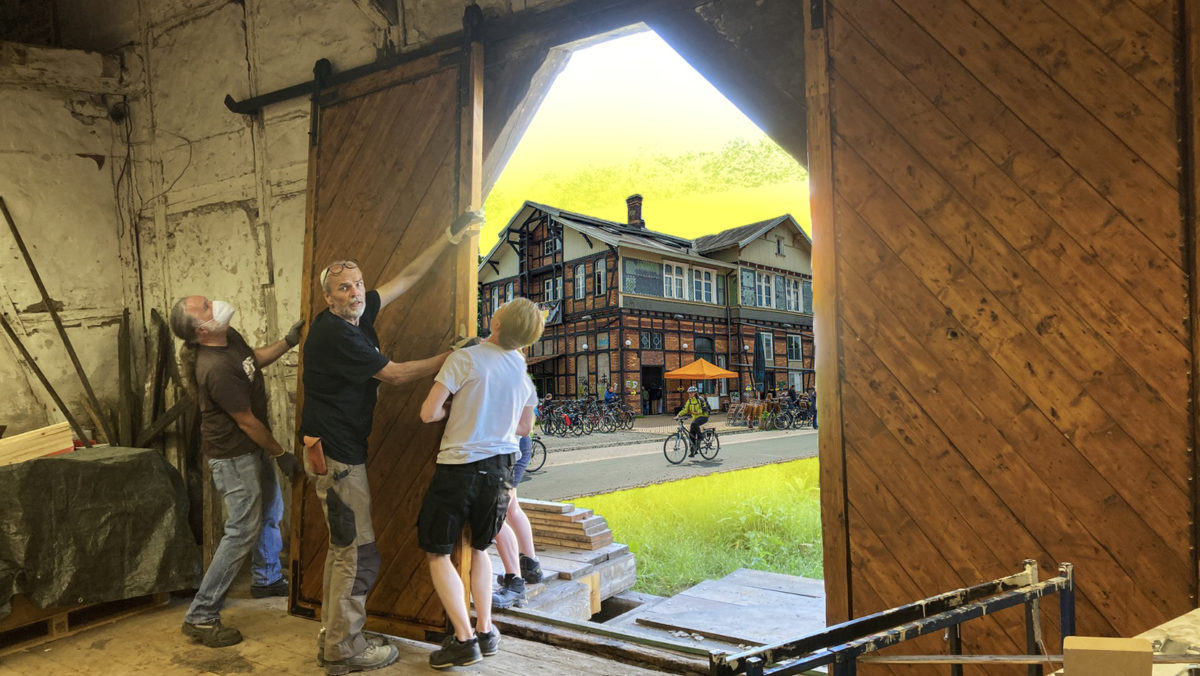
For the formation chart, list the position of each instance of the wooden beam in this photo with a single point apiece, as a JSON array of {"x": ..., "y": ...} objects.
[
  {"x": 1187, "y": 61},
  {"x": 37, "y": 371},
  {"x": 827, "y": 316},
  {"x": 58, "y": 325}
]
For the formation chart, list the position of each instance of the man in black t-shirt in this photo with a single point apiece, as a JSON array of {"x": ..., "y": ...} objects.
[
  {"x": 236, "y": 440},
  {"x": 343, "y": 367}
]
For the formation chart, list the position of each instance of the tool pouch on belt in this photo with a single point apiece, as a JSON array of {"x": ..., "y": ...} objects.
[{"x": 315, "y": 455}]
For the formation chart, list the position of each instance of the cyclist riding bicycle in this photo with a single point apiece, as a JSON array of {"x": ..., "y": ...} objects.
[{"x": 697, "y": 408}]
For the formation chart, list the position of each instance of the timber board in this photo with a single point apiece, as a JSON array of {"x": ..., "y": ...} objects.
[
  {"x": 1010, "y": 333},
  {"x": 1145, "y": 486},
  {"x": 1039, "y": 506},
  {"x": 1032, "y": 234}
]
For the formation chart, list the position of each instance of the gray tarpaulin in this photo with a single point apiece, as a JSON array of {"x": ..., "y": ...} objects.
[{"x": 91, "y": 526}]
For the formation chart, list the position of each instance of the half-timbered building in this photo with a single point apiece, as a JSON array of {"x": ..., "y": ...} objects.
[{"x": 626, "y": 304}]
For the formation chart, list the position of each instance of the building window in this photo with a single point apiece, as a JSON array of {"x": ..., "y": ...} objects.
[
  {"x": 764, "y": 289},
  {"x": 558, "y": 288},
  {"x": 550, "y": 245},
  {"x": 778, "y": 246},
  {"x": 495, "y": 298},
  {"x": 792, "y": 292},
  {"x": 673, "y": 281},
  {"x": 601, "y": 282},
  {"x": 702, "y": 286},
  {"x": 580, "y": 282},
  {"x": 644, "y": 340},
  {"x": 656, "y": 340},
  {"x": 508, "y": 292},
  {"x": 602, "y": 371},
  {"x": 796, "y": 380},
  {"x": 720, "y": 284},
  {"x": 794, "y": 350},
  {"x": 768, "y": 346},
  {"x": 581, "y": 376},
  {"x": 548, "y": 290}
]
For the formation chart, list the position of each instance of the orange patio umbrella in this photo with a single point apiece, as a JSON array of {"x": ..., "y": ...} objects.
[{"x": 699, "y": 370}]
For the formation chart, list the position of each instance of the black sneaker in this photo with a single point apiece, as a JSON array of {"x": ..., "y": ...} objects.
[
  {"x": 212, "y": 634},
  {"x": 531, "y": 570},
  {"x": 489, "y": 641},
  {"x": 277, "y": 588},
  {"x": 511, "y": 593},
  {"x": 455, "y": 654}
]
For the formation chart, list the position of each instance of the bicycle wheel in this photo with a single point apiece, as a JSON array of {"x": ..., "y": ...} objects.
[
  {"x": 675, "y": 448},
  {"x": 627, "y": 420},
  {"x": 710, "y": 445},
  {"x": 784, "y": 420},
  {"x": 589, "y": 424},
  {"x": 537, "y": 457},
  {"x": 608, "y": 424}
]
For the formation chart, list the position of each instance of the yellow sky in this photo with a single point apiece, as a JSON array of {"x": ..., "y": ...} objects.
[{"x": 629, "y": 96}]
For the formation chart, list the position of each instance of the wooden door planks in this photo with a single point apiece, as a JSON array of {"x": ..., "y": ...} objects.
[
  {"x": 1031, "y": 288},
  {"x": 1020, "y": 354},
  {"x": 384, "y": 182},
  {"x": 1092, "y": 149}
]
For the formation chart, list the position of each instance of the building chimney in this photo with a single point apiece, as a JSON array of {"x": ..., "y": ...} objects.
[{"x": 634, "y": 202}]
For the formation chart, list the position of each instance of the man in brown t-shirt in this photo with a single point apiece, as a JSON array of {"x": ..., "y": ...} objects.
[{"x": 237, "y": 443}]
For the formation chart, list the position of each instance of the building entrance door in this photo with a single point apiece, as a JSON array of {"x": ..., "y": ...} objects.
[{"x": 652, "y": 390}]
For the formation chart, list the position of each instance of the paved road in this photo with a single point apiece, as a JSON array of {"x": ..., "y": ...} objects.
[{"x": 575, "y": 473}]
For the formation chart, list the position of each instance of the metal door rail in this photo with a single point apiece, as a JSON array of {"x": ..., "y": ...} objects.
[{"x": 841, "y": 645}]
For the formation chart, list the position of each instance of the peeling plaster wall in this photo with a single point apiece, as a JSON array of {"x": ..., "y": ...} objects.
[
  {"x": 59, "y": 158},
  {"x": 220, "y": 199}
]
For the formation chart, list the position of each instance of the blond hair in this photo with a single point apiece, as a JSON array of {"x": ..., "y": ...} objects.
[{"x": 521, "y": 323}]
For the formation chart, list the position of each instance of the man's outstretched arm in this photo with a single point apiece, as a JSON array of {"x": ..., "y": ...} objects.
[
  {"x": 414, "y": 271},
  {"x": 398, "y": 373}
]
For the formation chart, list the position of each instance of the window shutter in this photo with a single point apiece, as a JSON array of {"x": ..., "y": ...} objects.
[
  {"x": 806, "y": 291},
  {"x": 780, "y": 293}
]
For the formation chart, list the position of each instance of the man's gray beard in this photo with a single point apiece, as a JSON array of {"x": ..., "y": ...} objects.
[{"x": 353, "y": 316}]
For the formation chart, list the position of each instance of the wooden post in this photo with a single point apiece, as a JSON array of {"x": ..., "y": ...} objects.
[{"x": 827, "y": 315}]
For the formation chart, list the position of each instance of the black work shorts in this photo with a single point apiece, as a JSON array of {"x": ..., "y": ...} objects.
[{"x": 475, "y": 494}]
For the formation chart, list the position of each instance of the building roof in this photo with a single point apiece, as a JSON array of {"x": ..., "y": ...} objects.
[
  {"x": 743, "y": 235},
  {"x": 633, "y": 237}
]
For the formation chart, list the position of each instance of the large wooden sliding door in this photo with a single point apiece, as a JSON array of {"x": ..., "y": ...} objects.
[
  {"x": 1004, "y": 314},
  {"x": 395, "y": 156}
]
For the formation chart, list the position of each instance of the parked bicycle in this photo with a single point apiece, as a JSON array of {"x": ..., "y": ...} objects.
[
  {"x": 537, "y": 457},
  {"x": 678, "y": 446}
]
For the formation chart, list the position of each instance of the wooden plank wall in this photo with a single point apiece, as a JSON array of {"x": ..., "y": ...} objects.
[{"x": 1001, "y": 254}]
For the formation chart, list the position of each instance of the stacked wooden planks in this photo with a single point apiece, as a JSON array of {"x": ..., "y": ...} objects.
[
  {"x": 36, "y": 443},
  {"x": 562, "y": 524}
]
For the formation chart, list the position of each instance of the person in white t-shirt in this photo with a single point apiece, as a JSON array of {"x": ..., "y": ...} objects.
[{"x": 493, "y": 407}]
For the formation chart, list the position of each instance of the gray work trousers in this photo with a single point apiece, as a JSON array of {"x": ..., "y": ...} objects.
[{"x": 352, "y": 563}]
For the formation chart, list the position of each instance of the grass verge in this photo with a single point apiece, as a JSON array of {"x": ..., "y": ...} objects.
[{"x": 683, "y": 532}]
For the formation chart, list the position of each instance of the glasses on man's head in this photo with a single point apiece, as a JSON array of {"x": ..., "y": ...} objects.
[{"x": 337, "y": 269}]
